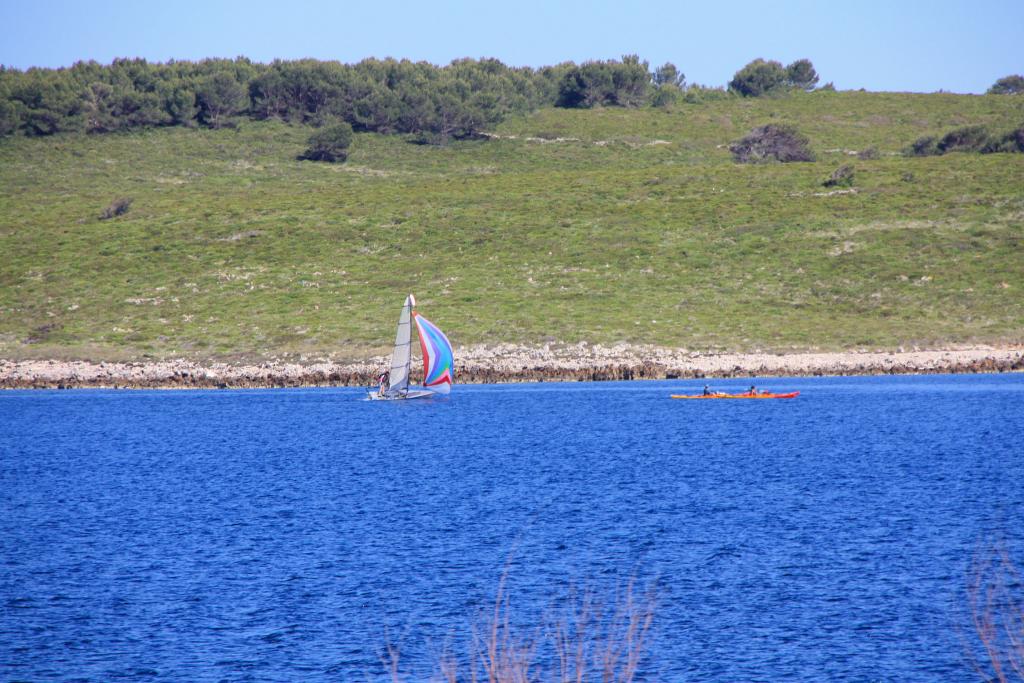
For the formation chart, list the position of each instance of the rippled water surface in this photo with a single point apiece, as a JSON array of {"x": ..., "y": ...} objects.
[{"x": 291, "y": 534}]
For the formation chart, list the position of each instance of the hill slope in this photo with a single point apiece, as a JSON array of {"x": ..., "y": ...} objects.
[{"x": 599, "y": 226}]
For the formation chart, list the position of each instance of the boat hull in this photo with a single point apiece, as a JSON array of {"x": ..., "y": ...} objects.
[
  {"x": 407, "y": 396},
  {"x": 792, "y": 394}
]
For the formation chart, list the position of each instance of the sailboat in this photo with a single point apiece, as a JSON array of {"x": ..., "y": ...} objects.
[{"x": 437, "y": 359}]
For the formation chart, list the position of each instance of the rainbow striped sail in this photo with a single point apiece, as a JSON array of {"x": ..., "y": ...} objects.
[{"x": 437, "y": 355}]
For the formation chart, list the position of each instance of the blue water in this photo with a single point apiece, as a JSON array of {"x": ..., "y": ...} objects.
[{"x": 293, "y": 534}]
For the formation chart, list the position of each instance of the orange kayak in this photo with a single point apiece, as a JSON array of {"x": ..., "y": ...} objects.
[{"x": 792, "y": 394}]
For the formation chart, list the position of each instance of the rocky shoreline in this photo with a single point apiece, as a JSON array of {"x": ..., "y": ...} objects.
[{"x": 511, "y": 363}]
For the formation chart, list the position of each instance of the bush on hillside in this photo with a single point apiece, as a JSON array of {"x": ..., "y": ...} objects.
[
  {"x": 117, "y": 207},
  {"x": 969, "y": 139},
  {"x": 1008, "y": 85},
  {"x": 772, "y": 142},
  {"x": 1009, "y": 142},
  {"x": 868, "y": 153},
  {"x": 841, "y": 177},
  {"x": 966, "y": 139},
  {"x": 330, "y": 143},
  {"x": 697, "y": 94},
  {"x": 665, "y": 95},
  {"x": 924, "y": 146}
]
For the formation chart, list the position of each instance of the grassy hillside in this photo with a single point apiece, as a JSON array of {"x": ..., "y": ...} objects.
[{"x": 629, "y": 225}]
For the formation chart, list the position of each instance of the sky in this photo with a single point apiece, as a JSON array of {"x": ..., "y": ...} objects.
[{"x": 895, "y": 45}]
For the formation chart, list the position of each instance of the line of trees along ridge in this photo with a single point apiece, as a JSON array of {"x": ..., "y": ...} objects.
[
  {"x": 432, "y": 103},
  {"x": 382, "y": 95}
]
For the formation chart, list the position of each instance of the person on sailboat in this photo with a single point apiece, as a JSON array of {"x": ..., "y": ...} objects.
[{"x": 383, "y": 380}]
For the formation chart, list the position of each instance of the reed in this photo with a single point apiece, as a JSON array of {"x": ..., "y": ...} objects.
[
  {"x": 996, "y": 600},
  {"x": 584, "y": 640}
]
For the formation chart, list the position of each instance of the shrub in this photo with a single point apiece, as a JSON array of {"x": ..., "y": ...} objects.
[
  {"x": 758, "y": 78},
  {"x": 1010, "y": 142},
  {"x": 869, "y": 153},
  {"x": 330, "y": 143},
  {"x": 841, "y": 177},
  {"x": 116, "y": 208},
  {"x": 1008, "y": 85},
  {"x": 966, "y": 139},
  {"x": 923, "y": 147},
  {"x": 779, "y": 142},
  {"x": 969, "y": 139},
  {"x": 665, "y": 96},
  {"x": 696, "y": 94}
]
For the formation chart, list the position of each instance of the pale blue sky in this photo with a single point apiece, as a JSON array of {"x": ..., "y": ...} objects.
[{"x": 893, "y": 45}]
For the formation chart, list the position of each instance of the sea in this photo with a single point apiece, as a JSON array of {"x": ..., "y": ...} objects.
[{"x": 854, "y": 533}]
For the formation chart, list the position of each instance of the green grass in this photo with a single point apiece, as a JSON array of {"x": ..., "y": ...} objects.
[{"x": 233, "y": 248}]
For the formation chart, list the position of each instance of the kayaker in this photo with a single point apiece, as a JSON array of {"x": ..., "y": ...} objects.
[
  {"x": 753, "y": 390},
  {"x": 707, "y": 391}
]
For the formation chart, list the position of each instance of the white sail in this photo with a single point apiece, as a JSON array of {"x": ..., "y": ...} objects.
[{"x": 401, "y": 357}]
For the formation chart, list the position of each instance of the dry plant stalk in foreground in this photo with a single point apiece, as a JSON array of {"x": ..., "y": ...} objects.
[
  {"x": 591, "y": 642},
  {"x": 996, "y": 600}
]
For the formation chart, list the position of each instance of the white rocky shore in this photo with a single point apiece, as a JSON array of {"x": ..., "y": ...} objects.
[{"x": 513, "y": 363}]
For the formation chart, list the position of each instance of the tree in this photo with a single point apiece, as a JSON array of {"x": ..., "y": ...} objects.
[
  {"x": 97, "y": 105},
  {"x": 385, "y": 96},
  {"x": 630, "y": 81},
  {"x": 572, "y": 89},
  {"x": 220, "y": 97},
  {"x": 179, "y": 101},
  {"x": 757, "y": 78},
  {"x": 594, "y": 84},
  {"x": 801, "y": 74},
  {"x": 330, "y": 143},
  {"x": 376, "y": 109},
  {"x": 1008, "y": 85},
  {"x": 598, "y": 87},
  {"x": 10, "y": 116},
  {"x": 668, "y": 74}
]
